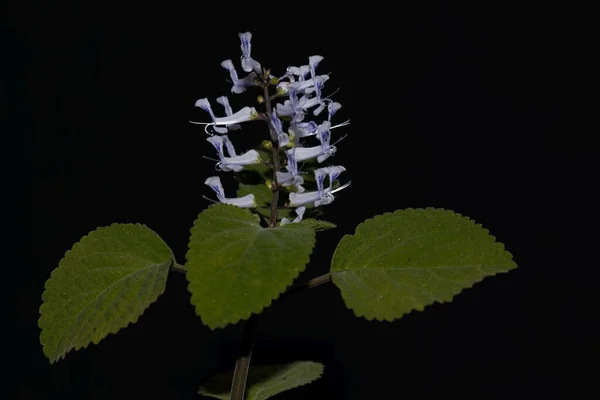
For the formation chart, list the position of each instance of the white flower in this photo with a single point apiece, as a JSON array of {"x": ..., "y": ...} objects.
[
  {"x": 313, "y": 63},
  {"x": 224, "y": 101},
  {"x": 233, "y": 162},
  {"x": 322, "y": 152},
  {"x": 231, "y": 121},
  {"x": 293, "y": 176},
  {"x": 323, "y": 195},
  {"x": 247, "y": 201},
  {"x": 239, "y": 85},
  {"x": 281, "y": 136},
  {"x": 248, "y": 63},
  {"x": 309, "y": 85},
  {"x": 299, "y": 211}
]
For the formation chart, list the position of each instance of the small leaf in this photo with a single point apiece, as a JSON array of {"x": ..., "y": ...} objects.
[
  {"x": 266, "y": 381},
  {"x": 102, "y": 284},
  {"x": 236, "y": 267},
  {"x": 399, "y": 262},
  {"x": 263, "y": 196},
  {"x": 318, "y": 225}
]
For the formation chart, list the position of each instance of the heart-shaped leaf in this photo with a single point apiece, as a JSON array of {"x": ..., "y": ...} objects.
[{"x": 235, "y": 267}]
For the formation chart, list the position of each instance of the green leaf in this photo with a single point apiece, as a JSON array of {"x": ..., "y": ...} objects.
[
  {"x": 318, "y": 224},
  {"x": 406, "y": 260},
  {"x": 236, "y": 267},
  {"x": 104, "y": 283},
  {"x": 265, "y": 381},
  {"x": 263, "y": 196}
]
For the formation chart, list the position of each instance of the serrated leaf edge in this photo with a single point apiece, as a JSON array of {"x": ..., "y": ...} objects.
[
  {"x": 99, "y": 229},
  {"x": 268, "y": 302},
  {"x": 387, "y": 214}
]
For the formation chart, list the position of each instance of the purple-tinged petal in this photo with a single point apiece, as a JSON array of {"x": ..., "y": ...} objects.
[
  {"x": 246, "y": 43},
  {"x": 224, "y": 101},
  {"x": 320, "y": 175},
  {"x": 326, "y": 199},
  {"x": 229, "y": 146},
  {"x": 239, "y": 85},
  {"x": 313, "y": 62},
  {"x": 205, "y": 105},
  {"x": 302, "y": 87},
  {"x": 214, "y": 182},
  {"x": 292, "y": 164},
  {"x": 277, "y": 125},
  {"x": 333, "y": 107},
  {"x": 248, "y": 63},
  {"x": 319, "y": 82},
  {"x": 304, "y": 129},
  {"x": 217, "y": 142},
  {"x": 334, "y": 173}
]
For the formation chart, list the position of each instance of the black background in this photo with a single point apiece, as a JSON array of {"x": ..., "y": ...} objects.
[{"x": 452, "y": 107}]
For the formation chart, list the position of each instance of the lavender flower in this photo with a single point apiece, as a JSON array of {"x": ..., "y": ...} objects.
[
  {"x": 222, "y": 125},
  {"x": 294, "y": 114},
  {"x": 248, "y": 63},
  {"x": 233, "y": 162},
  {"x": 247, "y": 201}
]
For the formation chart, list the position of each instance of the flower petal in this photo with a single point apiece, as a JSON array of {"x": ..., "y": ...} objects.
[
  {"x": 320, "y": 175},
  {"x": 334, "y": 173},
  {"x": 308, "y": 153},
  {"x": 214, "y": 182},
  {"x": 244, "y": 115},
  {"x": 250, "y": 157},
  {"x": 313, "y": 62},
  {"x": 333, "y": 107},
  {"x": 301, "y": 199},
  {"x": 247, "y": 201},
  {"x": 205, "y": 105},
  {"x": 217, "y": 142}
]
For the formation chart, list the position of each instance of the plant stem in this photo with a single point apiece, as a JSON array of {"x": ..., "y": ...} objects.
[
  {"x": 318, "y": 281},
  {"x": 242, "y": 365},
  {"x": 178, "y": 267},
  {"x": 274, "y": 159}
]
